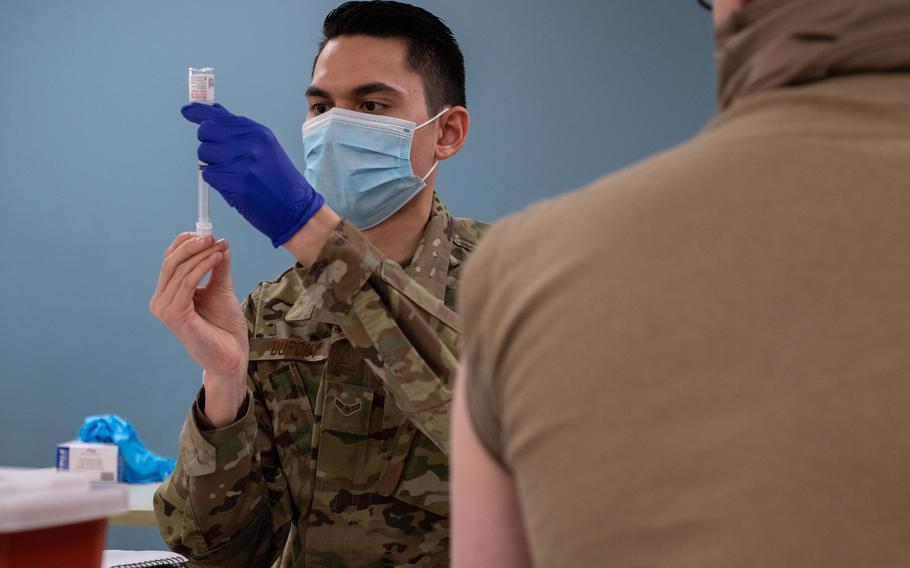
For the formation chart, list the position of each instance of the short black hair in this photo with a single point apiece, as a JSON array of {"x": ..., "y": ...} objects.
[{"x": 433, "y": 51}]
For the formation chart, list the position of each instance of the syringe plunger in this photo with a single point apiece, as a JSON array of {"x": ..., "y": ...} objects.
[{"x": 203, "y": 224}]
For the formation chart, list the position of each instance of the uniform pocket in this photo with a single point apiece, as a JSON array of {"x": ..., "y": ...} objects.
[
  {"x": 288, "y": 388},
  {"x": 289, "y": 405},
  {"x": 424, "y": 480},
  {"x": 347, "y": 408},
  {"x": 417, "y": 472},
  {"x": 346, "y": 450}
]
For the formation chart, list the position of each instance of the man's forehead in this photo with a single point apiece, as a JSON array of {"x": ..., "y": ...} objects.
[{"x": 347, "y": 62}]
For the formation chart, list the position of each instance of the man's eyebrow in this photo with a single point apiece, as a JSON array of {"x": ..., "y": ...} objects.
[
  {"x": 371, "y": 88},
  {"x": 317, "y": 92}
]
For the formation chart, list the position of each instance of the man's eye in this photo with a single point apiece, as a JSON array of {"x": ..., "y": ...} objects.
[
  {"x": 319, "y": 108},
  {"x": 371, "y": 106}
]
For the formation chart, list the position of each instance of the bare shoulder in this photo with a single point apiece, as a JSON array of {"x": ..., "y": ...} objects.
[{"x": 612, "y": 207}]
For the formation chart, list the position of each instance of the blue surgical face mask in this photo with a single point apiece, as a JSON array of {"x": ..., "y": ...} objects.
[{"x": 361, "y": 163}]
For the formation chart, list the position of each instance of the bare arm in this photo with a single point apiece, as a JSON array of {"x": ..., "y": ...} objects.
[{"x": 486, "y": 515}]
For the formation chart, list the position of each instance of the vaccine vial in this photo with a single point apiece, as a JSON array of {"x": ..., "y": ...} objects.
[{"x": 202, "y": 85}]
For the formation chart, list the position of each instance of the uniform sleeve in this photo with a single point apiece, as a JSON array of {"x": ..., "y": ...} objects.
[
  {"x": 408, "y": 337},
  {"x": 481, "y": 299},
  {"x": 226, "y": 504}
]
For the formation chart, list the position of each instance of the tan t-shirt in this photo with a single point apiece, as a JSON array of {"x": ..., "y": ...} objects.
[{"x": 704, "y": 361}]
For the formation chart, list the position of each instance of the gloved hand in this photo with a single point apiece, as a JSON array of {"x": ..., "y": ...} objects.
[{"x": 248, "y": 167}]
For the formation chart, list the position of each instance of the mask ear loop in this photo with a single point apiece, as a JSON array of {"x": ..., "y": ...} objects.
[
  {"x": 429, "y": 173},
  {"x": 435, "y": 162},
  {"x": 440, "y": 113}
]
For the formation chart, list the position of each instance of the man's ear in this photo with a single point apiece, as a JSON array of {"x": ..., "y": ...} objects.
[{"x": 453, "y": 132}]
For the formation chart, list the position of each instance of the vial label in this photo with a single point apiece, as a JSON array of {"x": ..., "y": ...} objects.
[{"x": 202, "y": 89}]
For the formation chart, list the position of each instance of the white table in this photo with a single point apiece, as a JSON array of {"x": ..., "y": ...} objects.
[{"x": 140, "y": 513}]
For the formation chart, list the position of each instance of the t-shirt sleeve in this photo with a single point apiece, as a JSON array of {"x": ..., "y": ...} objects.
[{"x": 482, "y": 344}]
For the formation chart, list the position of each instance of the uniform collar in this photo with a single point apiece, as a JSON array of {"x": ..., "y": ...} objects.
[{"x": 430, "y": 265}]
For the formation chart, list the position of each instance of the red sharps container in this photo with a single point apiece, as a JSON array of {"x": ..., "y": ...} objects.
[{"x": 51, "y": 519}]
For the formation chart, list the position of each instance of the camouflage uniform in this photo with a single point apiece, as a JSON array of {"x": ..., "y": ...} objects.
[{"x": 338, "y": 457}]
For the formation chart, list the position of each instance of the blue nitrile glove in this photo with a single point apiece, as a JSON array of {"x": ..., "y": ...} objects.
[
  {"x": 140, "y": 464},
  {"x": 250, "y": 169}
]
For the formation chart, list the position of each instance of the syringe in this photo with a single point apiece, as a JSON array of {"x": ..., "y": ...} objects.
[{"x": 202, "y": 90}]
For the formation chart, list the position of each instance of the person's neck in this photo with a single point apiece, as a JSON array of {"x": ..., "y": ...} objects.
[
  {"x": 768, "y": 45},
  {"x": 398, "y": 236}
]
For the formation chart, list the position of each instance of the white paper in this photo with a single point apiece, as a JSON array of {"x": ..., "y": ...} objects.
[{"x": 113, "y": 558}]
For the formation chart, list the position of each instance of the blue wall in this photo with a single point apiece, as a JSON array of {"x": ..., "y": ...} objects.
[{"x": 97, "y": 168}]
